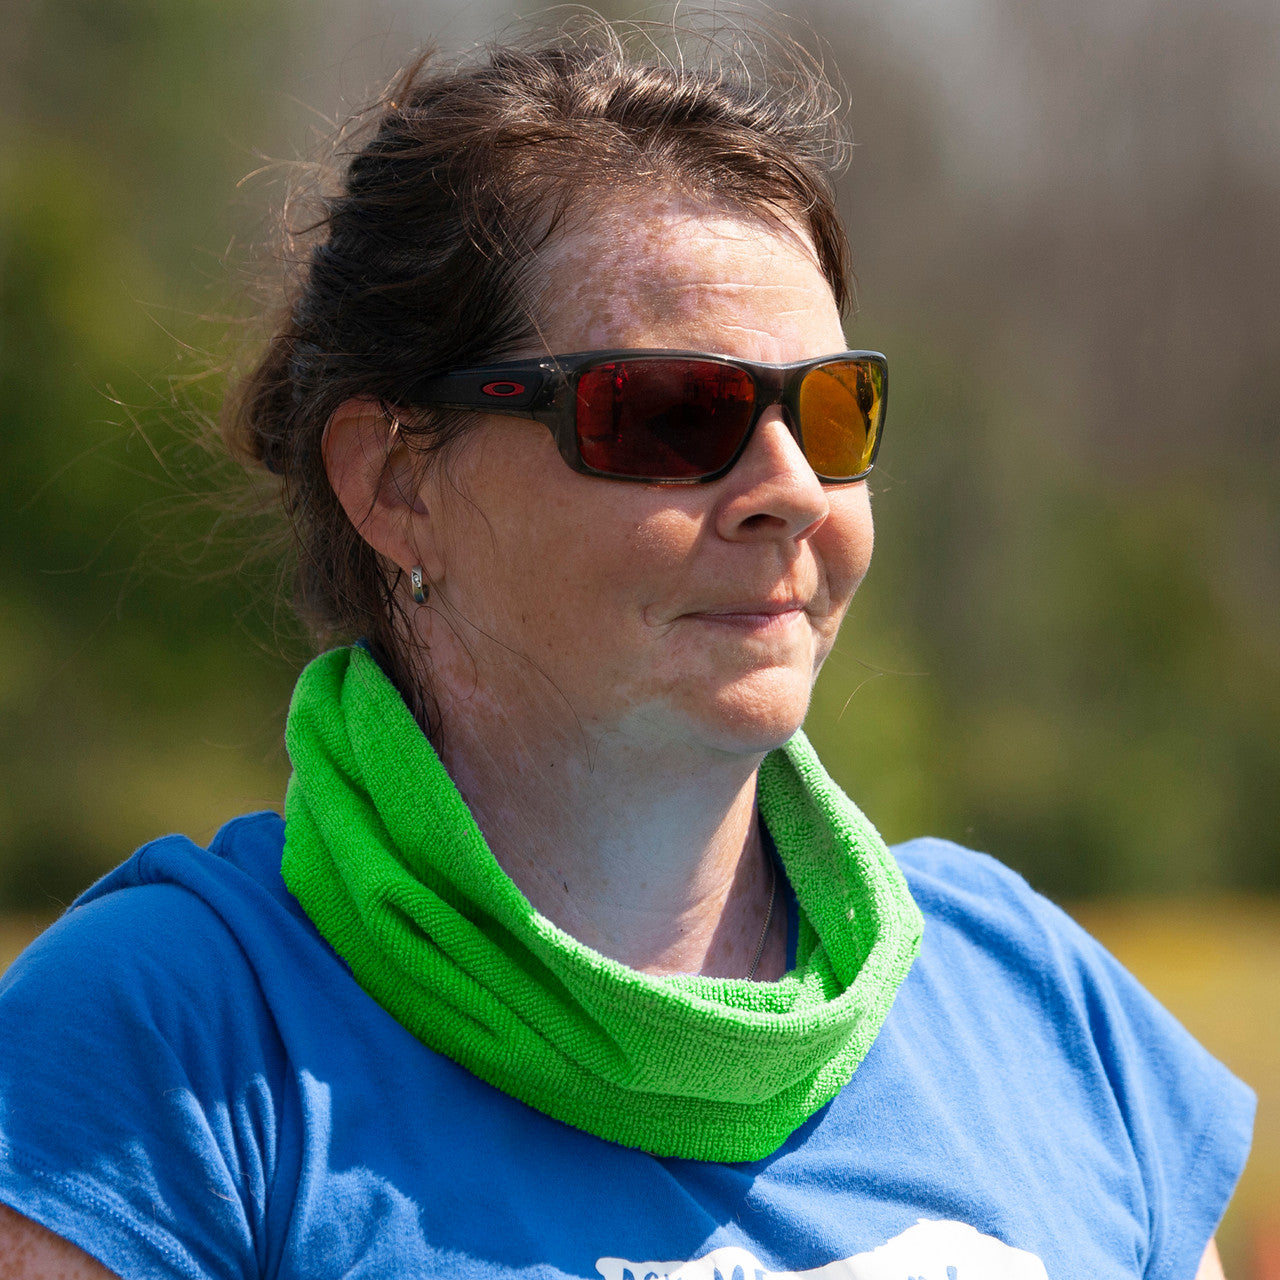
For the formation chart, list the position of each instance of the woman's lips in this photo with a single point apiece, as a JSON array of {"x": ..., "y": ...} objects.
[{"x": 753, "y": 615}]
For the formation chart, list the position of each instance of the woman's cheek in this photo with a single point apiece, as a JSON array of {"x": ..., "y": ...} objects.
[{"x": 845, "y": 543}]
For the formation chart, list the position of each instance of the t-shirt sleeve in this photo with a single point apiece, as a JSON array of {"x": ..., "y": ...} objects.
[
  {"x": 1188, "y": 1118},
  {"x": 121, "y": 1128},
  {"x": 1184, "y": 1120}
]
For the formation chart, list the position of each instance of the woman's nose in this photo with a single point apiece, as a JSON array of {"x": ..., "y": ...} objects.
[{"x": 772, "y": 491}]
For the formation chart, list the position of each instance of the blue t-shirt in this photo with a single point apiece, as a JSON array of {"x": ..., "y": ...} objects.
[{"x": 192, "y": 1084}]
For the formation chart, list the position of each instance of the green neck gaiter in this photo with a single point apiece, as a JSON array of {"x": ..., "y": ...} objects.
[{"x": 387, "y": 861}]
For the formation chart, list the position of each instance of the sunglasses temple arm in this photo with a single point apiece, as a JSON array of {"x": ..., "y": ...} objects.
[{"x": 498, "y": 390}]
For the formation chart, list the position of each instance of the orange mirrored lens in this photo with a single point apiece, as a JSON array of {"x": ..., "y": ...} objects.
[{"x": 841, "y": 407}]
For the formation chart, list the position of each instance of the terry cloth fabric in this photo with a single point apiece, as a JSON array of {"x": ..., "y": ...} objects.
[
  {"x": 384, "y": 856},
  {"x": 193, "y": 1085}
]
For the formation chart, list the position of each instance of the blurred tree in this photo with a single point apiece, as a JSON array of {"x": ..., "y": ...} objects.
[{"x": 131, "y": 703}]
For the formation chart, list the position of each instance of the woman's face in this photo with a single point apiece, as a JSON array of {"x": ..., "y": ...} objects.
[{"x": 667, "y": 613}]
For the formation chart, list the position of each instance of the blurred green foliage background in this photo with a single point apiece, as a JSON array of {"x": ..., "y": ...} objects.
[{"x": 1064, "y": 220}]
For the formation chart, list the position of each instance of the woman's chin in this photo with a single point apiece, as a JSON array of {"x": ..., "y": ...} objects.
[{"x": 753, "y": 716}]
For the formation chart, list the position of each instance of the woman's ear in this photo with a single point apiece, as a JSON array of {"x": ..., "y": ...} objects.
[{"x": 376, "y": 479}]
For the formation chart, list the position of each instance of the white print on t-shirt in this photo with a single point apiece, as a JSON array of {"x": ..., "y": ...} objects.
[{"x": 927, "y": 1251}]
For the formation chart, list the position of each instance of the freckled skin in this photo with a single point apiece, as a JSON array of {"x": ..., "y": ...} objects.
[
  {"x": 607, "y": 679},
  {"x": 594, "y": 582},
  {"x": 682, "y": 270}
]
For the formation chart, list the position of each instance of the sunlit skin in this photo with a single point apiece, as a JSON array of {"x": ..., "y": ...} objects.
[
  {"x": 612, "y": 660},
  {"x": 687, "y": 617}
]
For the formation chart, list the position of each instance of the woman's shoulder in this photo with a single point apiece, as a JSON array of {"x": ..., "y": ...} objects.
[
  {"x": 998, "y": 953},
  {"x": 166, "y": 948},
  {"x": 1031, "y": 1043},
  {"x": 986, "y": 926},
  {"x": 181, "y": 945},
  {"x": 972, "y": 896},
  {"x": 172, "y": 907},
  {"x": 995, "y": 945},
  {"x": 138, "y": 1023},
  {"x": 936, "y": 863}
]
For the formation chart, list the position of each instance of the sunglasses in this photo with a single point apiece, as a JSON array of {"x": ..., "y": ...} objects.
[{"x": 681, "y": 417}]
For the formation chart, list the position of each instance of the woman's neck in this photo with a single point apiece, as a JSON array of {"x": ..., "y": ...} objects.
[{"x": 650, "y": 853}]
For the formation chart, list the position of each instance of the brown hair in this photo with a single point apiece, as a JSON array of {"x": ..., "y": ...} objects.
[{"x": 421, "y": 260}]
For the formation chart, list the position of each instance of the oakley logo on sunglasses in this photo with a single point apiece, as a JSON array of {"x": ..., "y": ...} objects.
[{"x": 681, "y": 417}]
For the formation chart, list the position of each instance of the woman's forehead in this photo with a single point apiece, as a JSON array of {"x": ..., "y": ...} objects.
[{"x": 664, "y": 271}]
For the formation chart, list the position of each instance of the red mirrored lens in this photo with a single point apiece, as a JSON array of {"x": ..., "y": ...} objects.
[{"x": 671, "y": 419}]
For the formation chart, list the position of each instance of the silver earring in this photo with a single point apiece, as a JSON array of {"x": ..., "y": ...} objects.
[{"x": 420, "y": 588}]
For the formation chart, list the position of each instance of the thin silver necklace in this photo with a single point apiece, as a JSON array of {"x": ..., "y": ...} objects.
[{"x": 768, "y": 918}]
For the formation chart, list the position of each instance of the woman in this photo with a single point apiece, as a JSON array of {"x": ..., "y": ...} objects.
[{"x": 567, "y": 955}]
